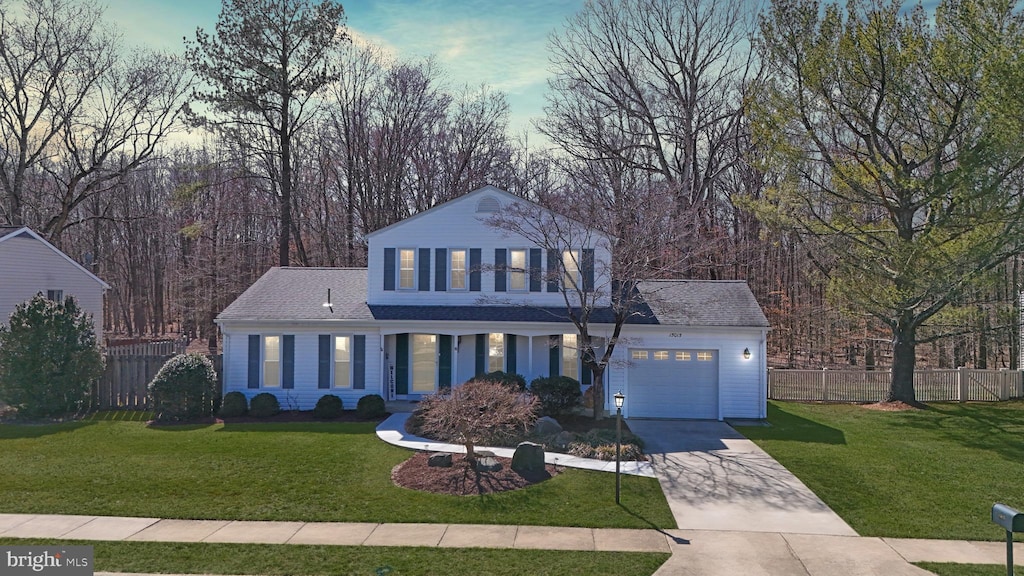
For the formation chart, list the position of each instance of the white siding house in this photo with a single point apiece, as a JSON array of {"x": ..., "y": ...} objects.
[
  {"x": 447, "y": 296},
  {"x": 30, "y": 265}
]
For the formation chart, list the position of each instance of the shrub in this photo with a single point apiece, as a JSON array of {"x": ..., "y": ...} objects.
[
  {"x": 264, "y": 405},
  {"x": 49, "y": 358},
  {"x": 512, "y": 379},
  {"x": 556, "y": 394},
  {"x": 234, "y": 405},
  {"x": 478, "y": 412},
  {"x": 184, "y": 388},
  {"x": 370, "y": 406},
  {"x": 599, "y": 443},
  {"x": 328, "y": 407}
]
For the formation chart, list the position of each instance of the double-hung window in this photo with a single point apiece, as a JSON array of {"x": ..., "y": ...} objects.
[
  {"x": 272, "y": 361},
  {"x": 570, "y": 269},
  {"x": 342, "y": 362},
  {"x": 458, "y": 270},
  {"x": 55, "y": 295},
  {"x": 407, "y": 268},
  {"x": 517, "y": 270}
]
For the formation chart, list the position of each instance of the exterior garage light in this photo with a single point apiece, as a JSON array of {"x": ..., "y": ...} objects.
[{"x": 746, "y": 353}]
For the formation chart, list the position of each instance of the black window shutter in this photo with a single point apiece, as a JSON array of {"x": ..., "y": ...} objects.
[
  {"x": 510, "y": 353},
  {"x": 254, "y": 360},
  {"x": 535, "y": 270},
  {"x": 440, "y": 269},
  {"x": 389, "y": 268},
  {"x": 587, "y": 264},
  {"x": 288, "y": 361},
  {"x": 444, "y": 368},
  {"x": 554, "y": 357},
  {"x": 424, "y": 264},
  {"x": 554, "y": 265},
  {"x": 401, "y": 364},
  {"x": 325, "y": 359},
  {"x": 499, "y": 269},
  {"x": 359, "y": 361},
  {"x": 481, "y": 354},
  {"x": 474, "y": 269},
  {"x": 585, "y": 374}
]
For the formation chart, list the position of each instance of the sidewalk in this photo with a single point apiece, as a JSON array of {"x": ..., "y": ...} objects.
[
  {"x": 392, "y": 431},
  {"x": 704, "y": 552}
]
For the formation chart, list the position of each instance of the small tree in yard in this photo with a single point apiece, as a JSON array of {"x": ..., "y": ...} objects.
[
  {"x": 49, "y": 358},
  {"x": 476, "y": 412},
  {"x": 184, "y": 388}
]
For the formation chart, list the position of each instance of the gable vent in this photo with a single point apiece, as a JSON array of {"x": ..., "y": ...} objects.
[{"x": 488, "y": 204}]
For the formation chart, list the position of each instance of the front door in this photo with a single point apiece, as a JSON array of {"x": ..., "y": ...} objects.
[{"x": 424, "y": 364}]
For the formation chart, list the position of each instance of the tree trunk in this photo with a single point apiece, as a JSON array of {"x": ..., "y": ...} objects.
[{"x": 904, "y": 356}]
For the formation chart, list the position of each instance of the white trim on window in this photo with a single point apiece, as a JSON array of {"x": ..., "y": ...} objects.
[
  {"x": 495, "y": 351},
  {"x": 270, "y": 361},
  {"x": 518, "y": 279},
  {"x": 55, "y": 295},
  {"x": 460, "y": 274},
  {"x": 402, "y": 269},
  {"x": 571, "y": 269},
  {"x": 341, "y": 355}
]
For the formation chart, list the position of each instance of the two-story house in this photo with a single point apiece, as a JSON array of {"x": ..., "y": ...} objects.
[{"x": 447, "y": 296}]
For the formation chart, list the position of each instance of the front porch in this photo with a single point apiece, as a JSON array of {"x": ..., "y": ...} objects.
[{"x": 417, "y": 364}]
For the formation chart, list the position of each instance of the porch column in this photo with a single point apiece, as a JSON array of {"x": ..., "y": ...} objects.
[
  {"x": 456, "y": 380},
  {"x": 529, "y": 359}
]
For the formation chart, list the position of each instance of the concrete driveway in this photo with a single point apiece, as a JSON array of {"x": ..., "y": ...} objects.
[{"x": 716, "y": 479}]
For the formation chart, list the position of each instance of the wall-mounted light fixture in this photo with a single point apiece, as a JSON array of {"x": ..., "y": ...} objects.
[{"x": 746, "y": 353}]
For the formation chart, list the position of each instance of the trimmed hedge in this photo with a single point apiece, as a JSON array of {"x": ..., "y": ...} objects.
[
  {"x": 512, "y": 379},
  {"x": 557, "y": 394},
  {"x": 328, "y": 407},
  {"x": 264, "y": 405},
  {"x": 184, "y": 388},
  {"x": 234, "y": 405},
  {"x": 371, "y": 406}
]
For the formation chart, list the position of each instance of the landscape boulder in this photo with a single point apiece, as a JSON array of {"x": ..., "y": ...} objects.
[
  {"x": 564, "y": 438},
  {"x": 487, "y": 463},
  {"x": 529, "y": 457},
  {"x": 440, "y": 460},
  {"x": 546, "y": 426}
]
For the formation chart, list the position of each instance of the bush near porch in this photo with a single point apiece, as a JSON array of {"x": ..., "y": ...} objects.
[
  {"x": 932, "y": 473},
  {"x": 317, "y": 471}
]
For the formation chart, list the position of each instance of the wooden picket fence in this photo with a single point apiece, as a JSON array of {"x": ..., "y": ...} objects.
[
  {"x": 162, "y": 348},
  {"x": 123, "y": 383},
  {"x": 954, "y": 385}
]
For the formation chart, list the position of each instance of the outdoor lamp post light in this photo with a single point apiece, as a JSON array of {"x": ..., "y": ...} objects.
[{"x": 619, "y": 399}]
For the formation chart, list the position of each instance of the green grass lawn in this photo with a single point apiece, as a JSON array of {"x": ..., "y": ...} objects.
[
  {"x": 968, "y": 569},
  {"x": 298, "y": 471},
  {"x": 287, "y": 559},
  {"x": 931, "y": 473}
]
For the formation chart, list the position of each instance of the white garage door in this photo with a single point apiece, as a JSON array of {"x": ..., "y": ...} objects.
[{"x": 673, "y": 383}]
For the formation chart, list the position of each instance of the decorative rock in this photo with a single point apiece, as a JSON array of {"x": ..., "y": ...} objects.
[
  {"x": 439, "y": 460},
  {"x": 487, "y": 464},
  {"x": 483, "y": 453},
  {"x": 529, "y": 457},
  {"x": 546, "y": 426},
  {"x": 564, "y": 438}
]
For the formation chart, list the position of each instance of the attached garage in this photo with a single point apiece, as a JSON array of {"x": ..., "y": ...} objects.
[{"x": 673, "y": 383}]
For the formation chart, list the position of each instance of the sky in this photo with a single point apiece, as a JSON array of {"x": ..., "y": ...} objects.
[{"x": 496, "y": 42}]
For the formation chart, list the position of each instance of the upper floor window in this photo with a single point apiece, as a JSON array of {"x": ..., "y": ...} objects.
[
  {"x": 406, "y": 268},
  {"x": 570, "y": 269},
  {"x": 517, "y": 270},
  {"x": 458, "y": 273},
  {"x": 55, "y": 295}
]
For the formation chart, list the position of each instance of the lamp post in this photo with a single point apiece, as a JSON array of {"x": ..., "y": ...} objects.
[{"x": 619, "y": 399}]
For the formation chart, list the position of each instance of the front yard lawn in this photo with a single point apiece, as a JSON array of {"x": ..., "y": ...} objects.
[
  {"x": 949, "y": 569},
  {"x": 931, "y": 473},
  {"x": 286, "y": 559},
  {"x": 300, "y": 471}
]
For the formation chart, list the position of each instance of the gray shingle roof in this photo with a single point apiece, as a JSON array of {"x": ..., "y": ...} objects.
[
  {"x": 702, "y": 302},
  {"x": 299, "y": 294}
]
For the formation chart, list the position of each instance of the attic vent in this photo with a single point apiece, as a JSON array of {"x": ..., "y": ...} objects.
[{"x": 488, "y": 204}]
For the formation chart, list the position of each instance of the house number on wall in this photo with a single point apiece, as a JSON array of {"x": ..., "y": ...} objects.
[{"x": 675, "y": 334}]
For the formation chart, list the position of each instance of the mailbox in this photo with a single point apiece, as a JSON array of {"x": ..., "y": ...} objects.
[{"x": 1010, "y": 519}]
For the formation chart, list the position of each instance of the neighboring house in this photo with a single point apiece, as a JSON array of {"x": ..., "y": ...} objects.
[
  {"x": 30, "y": 265},
  {"x": 446, "y": 296}
]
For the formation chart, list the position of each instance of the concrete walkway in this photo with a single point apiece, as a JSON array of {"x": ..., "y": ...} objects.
[
  {"x": 716, "y": 479},
  {"x": 392, "y": 431},
  {"x": 694, "y": 552}
]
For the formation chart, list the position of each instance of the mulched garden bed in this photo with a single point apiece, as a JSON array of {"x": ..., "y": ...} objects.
[
  {"x": 461, "y": 479},
  {"x": 892, "y": 406}
]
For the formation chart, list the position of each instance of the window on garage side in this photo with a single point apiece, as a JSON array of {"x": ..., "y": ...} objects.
[
  {"x": 661, "y": 355},
  {"x": 705, "y": 356},
  {"x": 272, "y": 361},
  {"x": 683, "y": 356},
  {"x": 570, "y": 356},
  {"x": 342, "y": 361},
  {"x": 639, "y": 354}
]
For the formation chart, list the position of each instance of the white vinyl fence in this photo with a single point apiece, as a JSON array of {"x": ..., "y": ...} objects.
[{"x": 954, "y": 385}]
